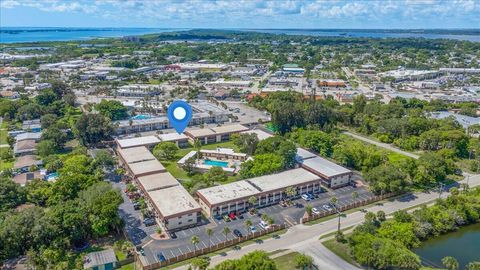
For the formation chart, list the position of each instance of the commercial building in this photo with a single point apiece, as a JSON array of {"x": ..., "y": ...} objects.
[
  {"x": 410, "y": 74},
  {"x": 175, "y": 207},
  {"x": 147, "y": 141},
  {"x": 138, "y": 90},
  {"x": 332, "y": 175},
  {"x": 100, "y": 260},
  {"x": 331, "y": 85},
  {"x": 214, "y": 135},
  {"x": 228, "y": 84},
  {"x": 181, "y": 140},
  {"x": 267, "y": 189}
]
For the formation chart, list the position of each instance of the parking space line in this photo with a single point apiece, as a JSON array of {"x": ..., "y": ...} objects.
[
  {"x": 203, "y": 244},
  {"x": 189, "y": 250},
  {"x": 173, "y": 255},
  {"x": 180, "y": 251}
]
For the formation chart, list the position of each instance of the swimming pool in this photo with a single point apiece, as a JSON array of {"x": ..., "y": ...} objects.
[
  {"x": 141, "y": 117},
  {"x": 52, "y": 176},
  {"x": 216, "y": 163}
]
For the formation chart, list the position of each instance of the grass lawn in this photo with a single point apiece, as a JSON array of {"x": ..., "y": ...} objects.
[
  {"x": 120, "y": 255},
  {"x": 5, "y": 164},
  {"x": 127, "y": 267},
  {"x": 286, "y": 262},
  {"x": 395, "y": 157},
  {"x": 3, "y": 136},
  {"x": 342, "y": 250}
]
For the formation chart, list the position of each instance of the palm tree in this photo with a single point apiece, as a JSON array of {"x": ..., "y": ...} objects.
[
  {"x": 226, "y": 231},
  {"x": 209, "y": 232},
  {"x": 354, "y": 197},
  {"x": 195, "y": 240},
  {"x": 248, "y": 224},
  {"x": 308, "y": 209},
  {"x": 290, "y": 191},
  {"x": 450, "y": 263},
  {"x": 197, "y": 145},
  {"x": 334, "y": 201}
]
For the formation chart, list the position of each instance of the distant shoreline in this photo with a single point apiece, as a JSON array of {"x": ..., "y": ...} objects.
[{"x": 12, "y": 35}]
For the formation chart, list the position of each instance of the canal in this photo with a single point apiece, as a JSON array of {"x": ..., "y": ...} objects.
[{"x": 463, "y": 245}]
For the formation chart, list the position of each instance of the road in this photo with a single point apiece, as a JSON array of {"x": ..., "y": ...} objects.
[
  {"x": 383, "y": 145},
  {"x": 304, "y": 237}
]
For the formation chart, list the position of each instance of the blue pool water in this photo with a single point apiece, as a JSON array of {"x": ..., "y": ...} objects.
[
  {"x": 215, "y": 163},
  {"x": 141, "y": 117},
  {"x": 52, "y": 176}
]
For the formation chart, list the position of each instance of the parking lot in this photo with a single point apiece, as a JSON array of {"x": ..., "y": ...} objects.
[{"x": 180, "y": 243}]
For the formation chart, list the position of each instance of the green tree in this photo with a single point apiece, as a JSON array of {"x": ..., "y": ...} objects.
[
  {"x": 199, "y": 263},
  {"x": 195, "y": 240},
  {"x": 165, "y": 151},
  {"x": 215, "y": 175},
  {"x": 450, "y": 263},
  {"x": 209, "y": 233},
  {"x": 303, "y": 261},
  {"x": 93, "y": 128},
  {"x": 226, "y": 231},
  {"x": 112, "y": 109},
  {"x": 11, "y": 194},
  {"x": 246, "y": 142}
]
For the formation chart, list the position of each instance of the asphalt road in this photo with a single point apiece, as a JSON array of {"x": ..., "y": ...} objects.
[
  {"x": 383, "y": 145},
  {"x": 304, "y": 237}
]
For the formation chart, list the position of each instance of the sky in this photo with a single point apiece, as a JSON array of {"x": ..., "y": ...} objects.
[{"x": 282, "y": 14}]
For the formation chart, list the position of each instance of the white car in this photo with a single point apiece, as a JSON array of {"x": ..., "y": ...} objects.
[
  {"x": 306, "y": 197},
  {"x": 315, "y": 211},
  {"x": 327, "y": 207}
]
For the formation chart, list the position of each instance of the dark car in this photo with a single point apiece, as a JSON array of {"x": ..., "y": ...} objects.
[
  {"x": 237, "y": 233},
  {"x": 161, "y": 257},
  {"x": 136, "y": 206},
  {"x": 149, "y": 222},
  {"x": 173, "y": 235}
]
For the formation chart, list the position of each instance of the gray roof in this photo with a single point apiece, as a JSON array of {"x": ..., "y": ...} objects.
[
  {"x": 283, "y": 179},
  {"x": 464, "y": 120},
  {"x": 324, "y": 167},
  {"x": 303, "y": 154},
  {"x": 140, "y": 141},
  {"x": 99, "y": 258}
]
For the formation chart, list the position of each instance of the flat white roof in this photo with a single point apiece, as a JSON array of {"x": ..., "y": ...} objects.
[
  {"x": 229, "y": 128},
  {"x": 140, "y": 141},
  {"x": 172, "y": 137},
  {"x": 228, "y": 192},
  {"x": 157, "y": 181},
  {"x": 262, "y": 135},
  {"x": 135, "y": 154},
  {"x": 303, "y": 154},
  {"x": 324, "y": 167},
  {"x": 201, "y": 132},
  {"x": 143, "y": 167},
  {"x": 283, "y": 179},
  {"x": 173, "y": 201}
]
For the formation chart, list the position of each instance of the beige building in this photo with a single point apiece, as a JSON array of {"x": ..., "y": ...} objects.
[{"x": 214, "y": 135}]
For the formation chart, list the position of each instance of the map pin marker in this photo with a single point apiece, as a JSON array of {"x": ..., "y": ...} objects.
[{"x": 179, "y": 114}]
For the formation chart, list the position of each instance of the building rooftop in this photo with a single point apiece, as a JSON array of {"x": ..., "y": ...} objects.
[
  {"x": 157, "y": 181},
  {"x": 303, "y": 154},
  {"x": 324, "y": 167},
  {"x": 228, "y": 192},
  {"x": 146, "y": 167},
  {"x": 26, "y": 161},
  {"x": 135, "y": 154},
  {"x": 29, "y": 136},
  {"x": 99, "y": 258},
  {"x": 283, "y": 179},
  {"x": 173, "y": 201},
  {"x": 229, "y": 129},
  {"x": 140, "y": 141},
  {"x": 262, "y": 135},
  {"x": 172, "y": 137}
]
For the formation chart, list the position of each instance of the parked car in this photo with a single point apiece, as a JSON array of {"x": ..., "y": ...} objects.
[
  {"x": 264, "y": 225},
  {"x": 237, "y": 233},
  {"x": 232, "y": 216},
  {"x": 306, "y": 197},
  {"x": 311, "y": 196},
  {"x": 226, "y": 218},
  {"x": 327, "y": 207},
  {"x": 173, "y": 235},
  {"x": 149, "y": 222},
  {"x": 315, "y": 211},
  {"x": 253, "y": 229},
  {"x": 161, "y": 257},
  {"x": 136, "y": 206},
  {"x": 140, "y": 250}
]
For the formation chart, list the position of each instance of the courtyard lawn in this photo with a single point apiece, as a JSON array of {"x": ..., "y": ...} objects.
[
  {"x": 179, "y": 173},
  {"x": 5, "y": 164},
  {"x": 286, "y": 262}
]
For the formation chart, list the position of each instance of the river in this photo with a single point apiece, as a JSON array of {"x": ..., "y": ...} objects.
[{"x": 463, "y": 245}]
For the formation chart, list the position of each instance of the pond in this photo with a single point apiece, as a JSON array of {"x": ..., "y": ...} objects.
[{"x": 463, "y": 245}]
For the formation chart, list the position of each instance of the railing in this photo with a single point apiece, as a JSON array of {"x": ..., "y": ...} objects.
[
  {"x": 346, "y": 207},
  {"x": 211, "y": 248}
]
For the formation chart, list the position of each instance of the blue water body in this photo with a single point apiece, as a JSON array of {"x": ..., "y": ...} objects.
[
  {"x": 141, "y": 117},
  {"x": 369, "y": 34},
  {"x": 34, "y": 34},
  {"x": 216, "y": 163}
]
